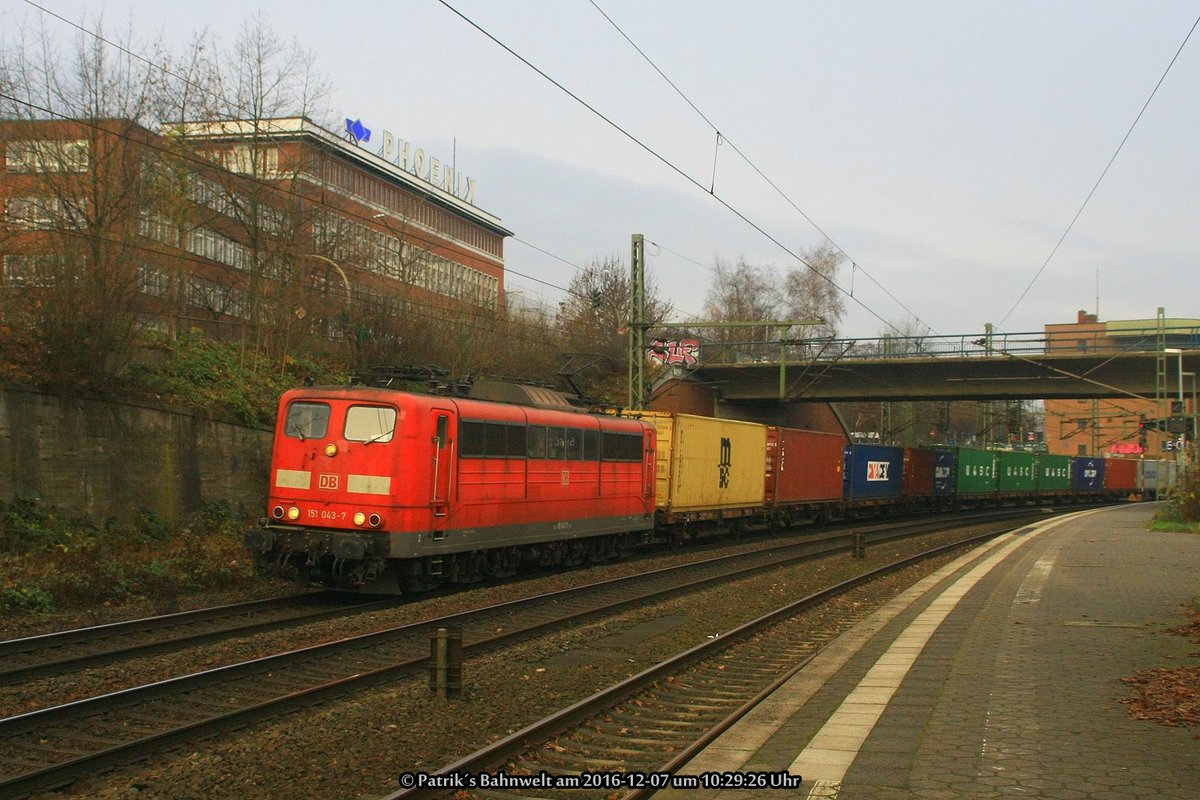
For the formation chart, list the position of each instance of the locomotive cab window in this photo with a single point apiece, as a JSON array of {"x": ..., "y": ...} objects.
[
  {"x": 370, "y": 424},
  {"x": 307, "y": 421}
]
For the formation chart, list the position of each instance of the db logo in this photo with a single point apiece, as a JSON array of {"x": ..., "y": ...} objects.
[
  {"x": 877, "y": 470},
  {"x": 327, "y": 481}
]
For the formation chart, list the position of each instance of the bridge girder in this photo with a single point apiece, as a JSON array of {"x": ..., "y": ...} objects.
[{"x": 999, "y": 377}]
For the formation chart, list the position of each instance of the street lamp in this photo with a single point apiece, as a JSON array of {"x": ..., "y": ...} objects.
[
  {"x": 342, "y": 274},
  {"x": 1175, "y": 351}
]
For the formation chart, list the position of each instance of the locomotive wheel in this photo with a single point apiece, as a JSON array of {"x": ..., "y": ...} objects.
[
  {"x": 470, "y": 567},
  {"x": 574, "y": 553},
  {"x": 497, "y": 564}
]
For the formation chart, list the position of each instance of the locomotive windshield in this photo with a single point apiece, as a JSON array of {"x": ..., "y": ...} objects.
[
  {"x": 370, "y": 424},
  {"x": 307, "y": 421}
]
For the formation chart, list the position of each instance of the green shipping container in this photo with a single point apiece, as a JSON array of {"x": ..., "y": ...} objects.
[
  {"x": 976, "y": 471},
  {"x": 1016, "y": 471},
  {"x": 1053, "y": 473}
]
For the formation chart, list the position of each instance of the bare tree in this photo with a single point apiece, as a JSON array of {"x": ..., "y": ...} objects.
[
  {"x": 594, "y": 320},
  {"x": 902, "y": 338},
  {"x": 810, "y": 292},
  {"x": 742, "y": 292},
  {"x": 74, "y": 129},
  {"x": 259, "y": 198}
]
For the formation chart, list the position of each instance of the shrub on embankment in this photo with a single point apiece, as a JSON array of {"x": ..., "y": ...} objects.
[
  {"x": 51, "y": 561},
  {"x": 1182, "y": 509},
  {"x": 54, "y": 558},
  {"x": 223, "y": 376}
]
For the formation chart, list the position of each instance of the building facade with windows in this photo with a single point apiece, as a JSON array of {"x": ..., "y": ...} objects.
[
  {"x": 1119, "y": 426},
  {"x": 224, "y": 225}
]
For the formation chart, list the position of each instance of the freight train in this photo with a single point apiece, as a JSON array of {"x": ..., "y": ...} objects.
[{"x": 384, "y": 491}]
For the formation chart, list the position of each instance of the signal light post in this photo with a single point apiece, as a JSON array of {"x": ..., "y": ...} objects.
[
  {"x": 1178, "y": 411},
  {"x": 1192, "y": 418}
]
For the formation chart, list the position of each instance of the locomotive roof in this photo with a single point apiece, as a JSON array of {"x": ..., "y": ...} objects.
[{"x": 385, "y": 395}]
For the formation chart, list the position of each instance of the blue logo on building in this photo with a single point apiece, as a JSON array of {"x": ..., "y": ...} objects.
[{"x": 360, "y": 132}]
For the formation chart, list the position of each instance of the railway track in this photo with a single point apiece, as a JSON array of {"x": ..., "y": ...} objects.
[
  {"x": 54, "y": 746},
  {"x": 630, "y": 739},
  {"x": 49, "y": 654}
]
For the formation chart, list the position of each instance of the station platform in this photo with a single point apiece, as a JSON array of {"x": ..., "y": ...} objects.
[{"x": 998, "y": 676}]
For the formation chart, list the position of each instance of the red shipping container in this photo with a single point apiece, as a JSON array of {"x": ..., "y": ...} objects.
[
  {"x": 803, "y": 466},
  {"x": 918, "y": 473},
  {"x": 1120, "y": 474}
]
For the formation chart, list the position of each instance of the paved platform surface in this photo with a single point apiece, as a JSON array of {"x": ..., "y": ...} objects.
[{"x": 997, "y": 677}]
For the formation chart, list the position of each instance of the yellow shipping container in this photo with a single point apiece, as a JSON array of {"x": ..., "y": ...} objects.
[{"x": 706, "y": 464}]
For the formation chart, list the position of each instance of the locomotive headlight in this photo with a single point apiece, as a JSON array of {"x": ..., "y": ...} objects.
[
  {"x": 293, "y": 513},
  {"x": 375, "y": 520},
  {"x": 331, "y": 449},
  {"x": 277, "y": 512},
  {"x": 360, "y": 518}
]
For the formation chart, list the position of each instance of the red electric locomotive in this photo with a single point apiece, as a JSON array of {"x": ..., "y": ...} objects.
[{"x": 383, "y": 491}]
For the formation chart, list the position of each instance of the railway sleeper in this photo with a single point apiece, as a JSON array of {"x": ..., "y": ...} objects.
[
  {"x": 621, "y": 740},
  {"x": 569, "y": 760}
]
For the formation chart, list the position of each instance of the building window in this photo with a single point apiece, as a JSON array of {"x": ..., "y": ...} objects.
[
  {"x": 28, "y": 272},
  {"x": 211, "y": 195},
  {"x": 47, "y": 155},
  {"x": 353, "y": 182},
  {"x": 158, "y": 229},
  {"x": 247, "y": 160},
  {"x": 153, "y": 281},
  {"x": 217, "y": 298},
  {"x": 42, "y": 213},
  {"x": 216, "y": 247}
]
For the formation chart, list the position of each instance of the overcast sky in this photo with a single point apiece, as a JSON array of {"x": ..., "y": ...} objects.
[{"x": 943, "y": 146}]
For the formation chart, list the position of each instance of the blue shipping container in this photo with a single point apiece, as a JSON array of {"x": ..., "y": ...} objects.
[
  {"x": 1087, "y": 474},
  {"x": 873, "y": 471},
  {"x": 944, "y": 474}
]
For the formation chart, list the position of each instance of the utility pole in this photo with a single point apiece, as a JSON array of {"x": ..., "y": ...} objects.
[
  {"x": 986, "y": 416},
  {"x": 637, "y": 323},
  {"x": 1160, "y": 380}
]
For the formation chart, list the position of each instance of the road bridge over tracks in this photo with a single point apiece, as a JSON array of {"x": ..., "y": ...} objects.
[{"x": 1016, "y": 366}]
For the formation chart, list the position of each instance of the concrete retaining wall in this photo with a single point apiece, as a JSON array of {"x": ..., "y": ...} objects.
[{"x": 109, "y": 458}]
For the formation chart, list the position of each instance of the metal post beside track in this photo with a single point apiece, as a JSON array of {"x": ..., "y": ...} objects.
[
  {"x": 445, "y": 662},
  {"x": 860, "y": 545}
]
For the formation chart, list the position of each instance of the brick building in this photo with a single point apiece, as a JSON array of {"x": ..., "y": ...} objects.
[
  {"x": 225, "y": 226},
  {"x": 1113, "y": 426}
]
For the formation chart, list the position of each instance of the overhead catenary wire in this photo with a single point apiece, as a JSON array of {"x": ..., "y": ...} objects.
[
  {"x": 1103, "y": 173},
  {"x": 723, "y": 138},
  {"x": 665, "y": 161},
  {"x": 720, "y": 140}
]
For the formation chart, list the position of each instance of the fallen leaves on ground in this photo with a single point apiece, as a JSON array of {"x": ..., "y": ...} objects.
[{"x": 1169, "y": 696}]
